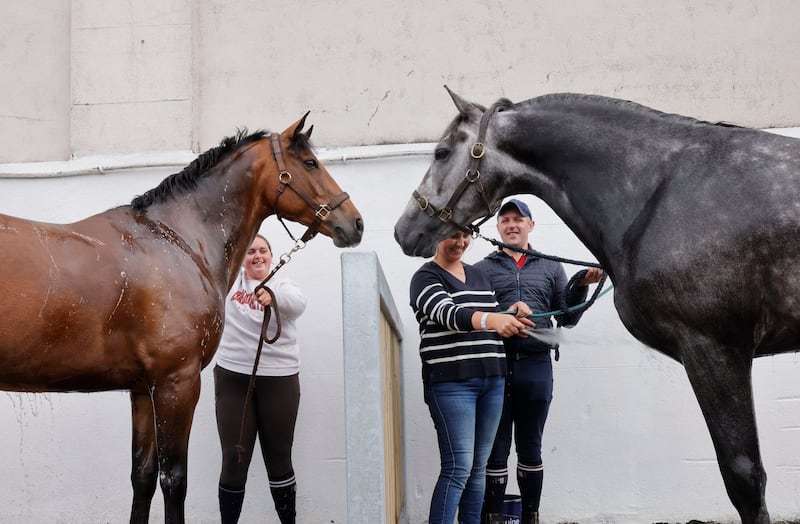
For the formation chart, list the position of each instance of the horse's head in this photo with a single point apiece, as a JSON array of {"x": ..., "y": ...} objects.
[
  {"x": 463, "y": 183},
  {"x": 306, "y": 192}
]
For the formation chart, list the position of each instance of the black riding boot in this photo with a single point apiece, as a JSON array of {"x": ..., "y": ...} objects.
[
  {"x": 230, "y": 505},
  {"x": 530, "y": 480},
  {"x": 284, "y": 498},
  {"x": 494, "y": 495}
]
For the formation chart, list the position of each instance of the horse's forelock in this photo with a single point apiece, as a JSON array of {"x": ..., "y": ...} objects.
[
  {"x": 472, "y": 118},
  {"x": 300, "y": 143}
]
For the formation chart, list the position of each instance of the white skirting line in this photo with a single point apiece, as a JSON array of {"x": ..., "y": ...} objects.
[{"x": 102, "y": 164}]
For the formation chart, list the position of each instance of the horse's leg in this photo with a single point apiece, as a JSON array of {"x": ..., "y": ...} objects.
[
  {"x": 144, "y": 468},
  {"x": 174, "y": 399},
  {"x": 721, "y": 379}
]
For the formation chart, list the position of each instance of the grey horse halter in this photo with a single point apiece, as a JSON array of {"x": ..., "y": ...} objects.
[{"x": 472, "y": 176}]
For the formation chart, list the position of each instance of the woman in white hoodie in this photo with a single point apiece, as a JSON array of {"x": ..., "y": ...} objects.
[{"x": 272, "y": 410}]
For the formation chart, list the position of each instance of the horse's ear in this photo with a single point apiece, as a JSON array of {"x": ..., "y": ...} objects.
[
  {"x": 465, "y": 108},
  {"x": 296, "y": 128},
  {"x": 308, "y": 133}
]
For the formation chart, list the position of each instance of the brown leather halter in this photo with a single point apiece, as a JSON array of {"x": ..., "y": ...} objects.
[
  {"x": 285, "y": 177},
  {"x": 472, "y": 176}
]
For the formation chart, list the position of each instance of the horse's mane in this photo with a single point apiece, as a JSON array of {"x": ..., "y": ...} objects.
[
  {"x": 597, "y": 100},
  {"x": 187, "y": 179}
]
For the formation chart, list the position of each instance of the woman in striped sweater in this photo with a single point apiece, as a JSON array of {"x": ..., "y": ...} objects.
[{"x": 463, "y": 372}]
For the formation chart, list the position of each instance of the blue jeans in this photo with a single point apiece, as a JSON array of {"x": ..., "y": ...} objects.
[{"x": 465, "y": 414}]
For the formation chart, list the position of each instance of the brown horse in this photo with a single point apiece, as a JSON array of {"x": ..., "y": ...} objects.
[{"x": 133, "y": 298}]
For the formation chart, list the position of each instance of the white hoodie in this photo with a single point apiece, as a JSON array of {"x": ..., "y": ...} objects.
[{"x": 243, "y": 318}]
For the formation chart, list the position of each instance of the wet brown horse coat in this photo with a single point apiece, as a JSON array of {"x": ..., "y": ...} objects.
[{"x": 133, "y": 298}]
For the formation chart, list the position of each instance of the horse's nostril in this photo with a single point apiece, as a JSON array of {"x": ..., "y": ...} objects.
[{"x": 359, "y": 225}]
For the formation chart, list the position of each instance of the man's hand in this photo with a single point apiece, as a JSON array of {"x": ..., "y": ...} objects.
[
  {"x": 592, "y": 276},
  {"x": 522, "y": 309}
]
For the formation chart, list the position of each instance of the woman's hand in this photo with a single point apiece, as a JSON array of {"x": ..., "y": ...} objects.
[
  {"x": 263, "y": 298},
  {"x": 508, "y": 325}
]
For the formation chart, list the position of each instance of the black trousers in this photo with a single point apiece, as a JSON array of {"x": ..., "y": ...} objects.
[{"x": 272, "y": 413}]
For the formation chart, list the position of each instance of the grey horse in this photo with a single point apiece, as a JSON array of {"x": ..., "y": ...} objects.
[{"x": 697, "y": 224}]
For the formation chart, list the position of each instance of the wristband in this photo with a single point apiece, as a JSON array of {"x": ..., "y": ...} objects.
[{"x": 483, "y": 321}]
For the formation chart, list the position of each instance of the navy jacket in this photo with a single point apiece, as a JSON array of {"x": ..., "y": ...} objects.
[{"x": 542, "y": 284}]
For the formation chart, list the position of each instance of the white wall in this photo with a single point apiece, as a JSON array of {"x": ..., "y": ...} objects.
[{"x": 625, "y": 442}]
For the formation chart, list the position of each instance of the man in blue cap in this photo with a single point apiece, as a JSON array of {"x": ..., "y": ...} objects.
[{"x": 542, "y": 285}]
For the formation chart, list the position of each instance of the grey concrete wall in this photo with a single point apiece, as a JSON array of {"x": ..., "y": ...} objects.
[
  {"x": 131, "y": 76},
  {"x": 35, "y": 91},
  {"x": 87, "y": 77}
]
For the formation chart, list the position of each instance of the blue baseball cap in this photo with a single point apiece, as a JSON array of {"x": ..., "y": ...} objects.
[{"x": 521, "y": 206}]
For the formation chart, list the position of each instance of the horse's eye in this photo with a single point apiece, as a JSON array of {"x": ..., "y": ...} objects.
[
  {"x": 311, "y": 163},
  {"x": 441, "y": 153}
]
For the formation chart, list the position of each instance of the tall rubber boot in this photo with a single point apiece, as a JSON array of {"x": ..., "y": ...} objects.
[{"x": 230, "y": 505}]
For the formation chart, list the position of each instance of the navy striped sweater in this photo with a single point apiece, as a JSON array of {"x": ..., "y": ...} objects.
[{"x": 449, "y": 347}]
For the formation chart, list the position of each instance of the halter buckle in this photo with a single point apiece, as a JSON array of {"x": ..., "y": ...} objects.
[
  {"x": 285, "y": 177},
  {"x": 445, "y": 214},
  {"x": 323, "y": 211},
  {"x": 478, "y": 150}
]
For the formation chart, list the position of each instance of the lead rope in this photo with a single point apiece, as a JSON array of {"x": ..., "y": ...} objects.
[
  {"x": 284, "y": 259},
  {"x": 572, "y": 283}
]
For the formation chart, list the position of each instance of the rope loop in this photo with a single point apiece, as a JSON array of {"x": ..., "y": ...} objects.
[{"x": 574, "y": 281}]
